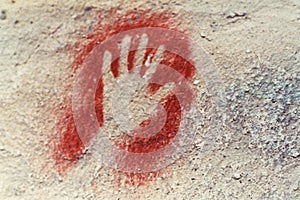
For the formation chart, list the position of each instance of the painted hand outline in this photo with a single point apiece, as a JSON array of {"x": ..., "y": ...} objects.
[{"x": 128, "y": 84}]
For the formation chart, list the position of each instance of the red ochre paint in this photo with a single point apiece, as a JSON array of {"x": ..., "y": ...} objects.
[{"x": 69, "y": 149}]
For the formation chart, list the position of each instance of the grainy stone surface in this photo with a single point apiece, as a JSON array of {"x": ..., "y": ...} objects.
[{"x": 254, "y": 44}]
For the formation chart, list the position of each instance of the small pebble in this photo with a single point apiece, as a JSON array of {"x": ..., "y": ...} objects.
[
  {"x": 237, "y": 176},
  {"x": 235, "y": 14},
  {"x": 230, "y": 15},
  {"x": 196, "y": 82},
  {"x": 3, "y": 15},
  {"x": 295, "y": 154}
]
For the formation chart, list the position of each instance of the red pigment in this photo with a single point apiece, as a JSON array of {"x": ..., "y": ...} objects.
[{"x": 70, "y": 148}]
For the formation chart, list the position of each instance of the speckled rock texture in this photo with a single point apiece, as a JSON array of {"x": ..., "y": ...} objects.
[{"x": 255, "y": 154}]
